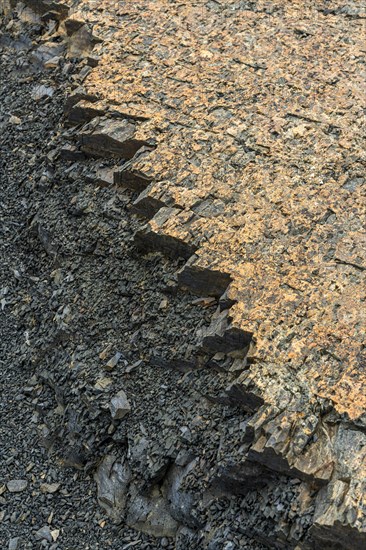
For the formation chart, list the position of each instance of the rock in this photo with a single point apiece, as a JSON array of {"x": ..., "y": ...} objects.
[
  {"x": 103, "y": 177},
  {"x": 17, "y": 485},
  {"x": 202, "y": 281},
  {"x": 71, "y": 153},
  {"x": 131, "y": 179},
  {"x": 220, "y": 336},
  {"x": 53, "y": 62},
  {"x": 102, "y": 383},
  {"x": 240, "y": 396},
  {"x": 14, "y": 544},
  {"x": 41, "y": 91},
  {"x": 180, "y": 501},
  {"x": 47, "y": 241},
  {"x": 44, "y": 533},
  {"x": 111, "y": 138},
  {"x": 239, "y": 479},
  {"x": 175, "y": 363},
  {"x": 113, "y": 477},
  {"x": 119, "y": 405},
  {"x": 113, "y": 361},
  {"x": 49, "y": 488},
  {"x": 77, "y": 95},
  {"x": 72, "y": 25},
  {"x": 150, "y": 514},
  {"x": 81, "y": 42},
  {"x": 93, "y": 60},
  {"x": 55, "y": 533},
  {"x": 47, "y": 51},
  {"x": 58, "y": 9},
  {"x": 83, "y": 111},
  {"x": 14, "y": 120},
  {"x": 185, "y": 539},
  {"x": 335, "y": 525},
  {"x": 152, "y": 238},
  {"x": 146, "y": 206}
]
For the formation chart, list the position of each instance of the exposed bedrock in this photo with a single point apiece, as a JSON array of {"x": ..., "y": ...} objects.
[{"x": 275, "y": 441}]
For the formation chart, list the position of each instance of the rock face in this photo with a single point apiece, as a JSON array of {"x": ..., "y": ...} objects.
[
  {"x": 113, "y": 478},
  {"x": 280, "y": 236},
  {"x": 246, "y": 147},
  {"x": 108, "y": 138}
]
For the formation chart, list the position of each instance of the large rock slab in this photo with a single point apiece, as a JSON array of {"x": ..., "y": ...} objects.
[
  {"x": 113, "y": 477},
  {"x": 111, "y": 138}
]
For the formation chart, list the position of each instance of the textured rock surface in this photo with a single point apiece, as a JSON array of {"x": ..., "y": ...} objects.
[
  {"x": 241, "y": 125},
  {"x": 259, "y": 162}
]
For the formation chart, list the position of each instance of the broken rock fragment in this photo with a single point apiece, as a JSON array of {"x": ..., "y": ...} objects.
[
  {"x": 73, "y": 24},
  {"x": 49, "y": 488},
  {"x": 78, "y": 95},
  {"x": 44, "y": 533},
  {"x": 150, "y": 514},
  {"x": 119, "y": 405},
  {"x": 113, "y": 361},
  {"x": 41, "y": 91}
]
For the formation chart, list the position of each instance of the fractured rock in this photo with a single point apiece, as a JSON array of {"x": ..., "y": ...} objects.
[
  {"x": 151, "y": 514},
  {"x": 151, "y": 238},
  {"x": 131, "y": 179},
  {"x": 180, "y": 501},
  {"x": 73, "y": 24},
  {"x": 79, "y": 94},
  {"x": 111, "y": 138},
  {"x": 41, "y": 91},
  {"x": 113, "y": 477},
  {"x": 82, "y": 112},
  {"x": 119, "y": 405},
  {"x": 221, "y": 336},
  {"x": 44, "y": 533},
  {"x": 203, "y": 281},
  {"x": 71, "y": 153}
]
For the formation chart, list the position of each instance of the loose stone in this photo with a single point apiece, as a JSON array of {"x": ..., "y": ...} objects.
[
  {"x": 119, "y": 406},
  {"x": 17, "y": 485}
]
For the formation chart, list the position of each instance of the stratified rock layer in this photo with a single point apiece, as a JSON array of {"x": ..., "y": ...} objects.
[
  {"x": 243, "y": 127},
  {"x": 256, "y": 110}
]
